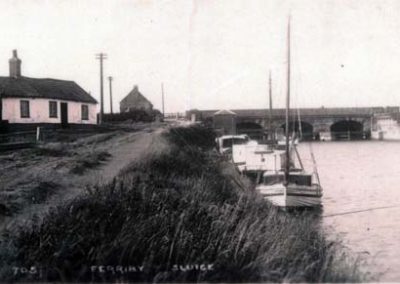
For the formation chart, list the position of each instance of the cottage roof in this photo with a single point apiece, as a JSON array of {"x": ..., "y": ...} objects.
[
  {"x": 24, "y": 87},
  {"x": 135, "y": 95}
]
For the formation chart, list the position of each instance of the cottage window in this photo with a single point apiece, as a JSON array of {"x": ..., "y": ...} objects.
[
  {"x": 24, "y": 108},
  {"x": 53, "y": 109},
  {"x": 85, "y": 112}
]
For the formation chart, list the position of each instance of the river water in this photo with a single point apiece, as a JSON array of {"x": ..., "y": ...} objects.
[{"x": 361, "y": 202}]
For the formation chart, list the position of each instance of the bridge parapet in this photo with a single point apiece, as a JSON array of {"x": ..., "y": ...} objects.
[{"x": 304, "y": 112}]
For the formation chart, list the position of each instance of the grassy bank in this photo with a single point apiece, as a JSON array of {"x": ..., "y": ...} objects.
[
  {"x": 35, "y": 175},
  {"x": 174, "y": 216}
]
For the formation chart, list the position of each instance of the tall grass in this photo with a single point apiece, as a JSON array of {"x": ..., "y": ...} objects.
[
  {"x": 167, "y": 214},
  {"x": 88, "y": 160}
]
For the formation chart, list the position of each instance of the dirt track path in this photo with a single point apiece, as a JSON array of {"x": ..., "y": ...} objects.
[{"x": 124, "y": 149}]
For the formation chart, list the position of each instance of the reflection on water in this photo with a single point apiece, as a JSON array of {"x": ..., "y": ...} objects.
[{"x": 361, "y": 202}]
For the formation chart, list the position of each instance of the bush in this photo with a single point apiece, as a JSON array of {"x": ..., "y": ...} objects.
[
  {"x": 194, "y": 136},
  {"x": 133, "y": 116}
]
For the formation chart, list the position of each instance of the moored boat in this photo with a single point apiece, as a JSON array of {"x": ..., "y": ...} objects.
[
  {"x": 298, "y": 191},
  {"x": 253, "y": 157},
  {"x": 385, "y": 128},
  {"x": 289, "y": 186}
]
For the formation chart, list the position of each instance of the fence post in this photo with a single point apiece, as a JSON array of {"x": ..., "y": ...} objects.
[{"x": 37, "y": 134}]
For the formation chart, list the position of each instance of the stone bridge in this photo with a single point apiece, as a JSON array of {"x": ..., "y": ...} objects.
[{"x": 340, "y": 123}]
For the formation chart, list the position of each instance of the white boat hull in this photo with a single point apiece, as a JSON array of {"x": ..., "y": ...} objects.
[
  {"x": 385, "y": 135},
  {"x": 387, "y": 128},
  {"x": 377, "y": 135},
  {"x": 292, "y": 195}
]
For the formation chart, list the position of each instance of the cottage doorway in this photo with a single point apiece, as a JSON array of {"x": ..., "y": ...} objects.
[{"x": 64, "y": 115}]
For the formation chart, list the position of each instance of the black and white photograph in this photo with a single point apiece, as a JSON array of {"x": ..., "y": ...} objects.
[{"x": 200, "y": 141}]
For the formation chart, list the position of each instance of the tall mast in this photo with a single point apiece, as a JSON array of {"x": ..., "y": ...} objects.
[
  {"x": 287, "y": 166},
  {"x": 110, "y": 78},
  {"x": 162, "y": 98},
  {"x": 270, "y": 109}
]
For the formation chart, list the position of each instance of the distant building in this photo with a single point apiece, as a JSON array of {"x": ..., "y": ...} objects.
[
  {"x": 225, "y": 122},
  {"x": 31, "y": 101},
  {"x": 134, "y": 101}
]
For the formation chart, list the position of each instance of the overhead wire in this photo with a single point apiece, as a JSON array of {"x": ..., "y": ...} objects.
[{"x": 360, "y": 211}]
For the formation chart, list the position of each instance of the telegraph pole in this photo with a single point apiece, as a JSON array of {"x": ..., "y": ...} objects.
[
  {"x": 101, "y": 57},
  {"x": 110, "y": 78},
  {"x": 162, "y": 93}
]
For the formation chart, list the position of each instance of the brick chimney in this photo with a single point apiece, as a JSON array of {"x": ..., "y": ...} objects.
[
  {"x": 136, "y": 88},
  {"x": 15, "y": 65}
]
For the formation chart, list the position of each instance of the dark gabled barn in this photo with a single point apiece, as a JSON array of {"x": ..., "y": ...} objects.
[{"x": 135, "y": 101}]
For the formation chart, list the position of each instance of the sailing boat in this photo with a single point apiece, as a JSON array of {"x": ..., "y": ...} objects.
[{"x": 288, "y": 186}]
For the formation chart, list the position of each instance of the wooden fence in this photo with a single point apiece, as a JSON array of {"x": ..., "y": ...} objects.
[{"x": 19, "y": 140}]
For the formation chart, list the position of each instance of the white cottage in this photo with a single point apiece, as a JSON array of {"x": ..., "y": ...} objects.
[{"x": 32, "y": 101}]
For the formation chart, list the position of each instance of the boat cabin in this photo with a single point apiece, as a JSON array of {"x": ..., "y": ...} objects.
[
  {"x": 256, "y": 157},
  {"x": 225, "y": 143},
  {"x": 297, "y": 177}
]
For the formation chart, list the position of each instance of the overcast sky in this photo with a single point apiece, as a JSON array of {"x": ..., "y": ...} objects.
[{"x": 212, "y": 54}]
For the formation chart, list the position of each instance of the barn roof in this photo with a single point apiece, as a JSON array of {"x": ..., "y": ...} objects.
[
  {"x": 135, "y": 95},
  {"x": 24, "y": 87}
]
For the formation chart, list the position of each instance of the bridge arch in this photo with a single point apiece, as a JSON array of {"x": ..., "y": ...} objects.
[
  {"x": 347, "y": 130},
  {"x": 307, "y": 129},
  {"x": 253, "y": 129}
]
